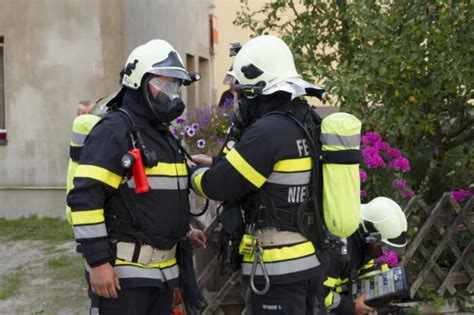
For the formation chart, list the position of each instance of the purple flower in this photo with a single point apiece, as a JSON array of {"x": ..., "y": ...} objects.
[
  {"x": 190, "y": 132},
  {"x": 363, "y": 194},
  {"x": 413, "y": 261},
  {"x": 400, "y": 164},
  {"x": 362, "y": 175},
  {"x": 201, "y": 143},
  {"x": 392, "y": 153},
  {"x": 187, "y": 128},
  {"x": 382, "y": 145},
  {"x": 399, "y": 184},
  {"x": 460, "y": 195},
  {"x": 374, "y": 161},
  {"x": 389, "y": 257},
  {"x": 195, "y": 126},
  {"x": 371, "y": 137},
  {"x": 408, "y": 194},
  {"x": 180, "y": 120},
  {"x": 174, "y": 131}
]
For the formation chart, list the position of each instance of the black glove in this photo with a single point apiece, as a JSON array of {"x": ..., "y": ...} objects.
[{"x": 192, "y": 297}]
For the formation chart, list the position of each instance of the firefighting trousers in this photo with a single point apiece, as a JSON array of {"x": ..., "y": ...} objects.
[
  {"x": 297, "y": 298},
  {"x": 134, "y": 301}
]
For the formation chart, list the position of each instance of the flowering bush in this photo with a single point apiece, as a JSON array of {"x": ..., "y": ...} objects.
[
  {"x": 389, "y": 257},
  {"x": 382, "y": 169},
  {"x": 461, "y": 194},
  {"x": 203, "y": 130}
]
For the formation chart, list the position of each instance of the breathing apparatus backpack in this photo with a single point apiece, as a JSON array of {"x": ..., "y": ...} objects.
[{"x": 331, "y": 210}]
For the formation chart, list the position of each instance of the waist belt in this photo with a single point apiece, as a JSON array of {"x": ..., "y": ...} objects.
[
  {"x": 143, "y": 254},
  {"x": 271, "y": 236}
]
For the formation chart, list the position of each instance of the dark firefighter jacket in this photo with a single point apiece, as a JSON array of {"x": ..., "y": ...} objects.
[
  {"x": 336, "y": 282},
  {"x": 163, "y": 211},
  {"x": 270, "y": 161}
]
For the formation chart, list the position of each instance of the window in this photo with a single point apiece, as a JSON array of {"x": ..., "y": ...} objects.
[
  {"x": 204, "y": 95},
  {"x": 3, "y": 129}
]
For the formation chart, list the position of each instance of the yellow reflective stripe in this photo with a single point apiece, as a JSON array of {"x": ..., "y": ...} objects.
[
  {"x": 385, "y": 267},
  {"x": 98, "y": 173},
  {"x": 161, "y": 265},
  {"x": 284, "y": 253},
  {"x": 339, "y": 289},
  {"x": 168, "y": 169},
  {"x": 198, "y": 183},
  {"x": 368, "y": 265},
  {"x": 225, "y": 150},
  {"x": 331, "y": 282},
  {"x": 294, "y": 165},
  {"x": 328, "y": 299},
  {"x": 245, "y": 169},
  {"x": 87, "y": 216}
]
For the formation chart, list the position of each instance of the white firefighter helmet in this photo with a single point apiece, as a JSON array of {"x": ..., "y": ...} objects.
[
  {"x": 267, "y": 61},
  {"x": 384, "y": 216},
  {"x": 155, "y": 57},
  {"x": 264, "y": 58}
]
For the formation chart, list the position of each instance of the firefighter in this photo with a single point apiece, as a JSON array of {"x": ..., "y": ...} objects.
[
  {"x": 129, "y": 239},
  {"x": 382, "y": 224},
  {"x": 268, "y": 170}
]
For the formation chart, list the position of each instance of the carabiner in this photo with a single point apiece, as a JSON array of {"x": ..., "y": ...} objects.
[{"x": 258, "y": 259}]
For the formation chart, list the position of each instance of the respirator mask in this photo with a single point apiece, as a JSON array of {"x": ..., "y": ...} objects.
[{"x": 163, "y": 95}]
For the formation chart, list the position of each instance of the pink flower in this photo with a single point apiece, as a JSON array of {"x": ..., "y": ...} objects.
[
  {"x": 389, "y": 257},
  {"x": 399, "y": 184},
  {"x": 363, "y": 194},
  {"x": 408, "y": 194},
  {"x": 383, "y": 145},
  {"x": 461, "y": 194},
  {"x": 362, "y": 175},
  {"x": 400, "y": 164},
  {"x": 371, "y": 137},
  {"x": 392, "y": 153},
  {"x": 374, "y": 161}
]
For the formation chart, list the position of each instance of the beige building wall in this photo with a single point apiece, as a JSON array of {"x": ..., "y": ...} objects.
[
  {"x": 58, "y": 52},
  {"x": 226, "y": 11}
]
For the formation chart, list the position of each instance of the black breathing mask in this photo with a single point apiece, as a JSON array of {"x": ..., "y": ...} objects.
[{"x": 164, "y": 97}]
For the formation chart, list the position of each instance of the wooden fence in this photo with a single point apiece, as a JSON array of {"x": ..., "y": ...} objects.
[{"x": 440, "y": 252}]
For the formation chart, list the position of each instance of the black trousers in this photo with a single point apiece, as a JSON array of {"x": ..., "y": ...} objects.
[
  {"x": 134, "y": 301},
  {"x": 297, "y": 298}
]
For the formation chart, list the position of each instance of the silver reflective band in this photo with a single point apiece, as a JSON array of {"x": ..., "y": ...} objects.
[
  {"x": 283, "y": 267},
  {"x": 78, "y": 139},
  {"x": 130, "y": 271},
  {"x": 164, "y": 183},
  {"x": 290, "y": 179},
  {"x": 90, "y": 231},
  {"x": 346, "y": 141}
]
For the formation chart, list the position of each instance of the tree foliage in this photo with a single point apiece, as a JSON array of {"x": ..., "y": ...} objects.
[{"x": 404, "y": 67}]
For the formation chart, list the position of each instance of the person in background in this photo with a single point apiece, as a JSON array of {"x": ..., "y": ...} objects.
[
  {"x": 383, "y": 224},
  {"x": 84, "y": 107}
]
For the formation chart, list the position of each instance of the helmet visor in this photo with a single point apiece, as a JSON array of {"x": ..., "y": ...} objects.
[{"x": 173, "y": 73}]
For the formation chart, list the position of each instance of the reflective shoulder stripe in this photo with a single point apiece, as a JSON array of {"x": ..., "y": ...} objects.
[
  {"x": 285, "y": 253},
  {"x": 331, "y": 282},
  {"x": 294, "y": 165},
  {"x": 339, "y": 140},
  {"x": 245, "y": 169},
  {"x": 77, "y": 139},
  {"x": 225, "y": 150},
  {"x": 368, "y": 265},
  {"x": 168, "y": 169},
  {"x": 87, "y": 216},
  {"x": 98, "y": 173},
  {"x": 196, "y": 181}
]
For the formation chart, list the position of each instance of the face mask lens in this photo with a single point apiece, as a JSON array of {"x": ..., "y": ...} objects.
[{"x": 170, "y": 87}]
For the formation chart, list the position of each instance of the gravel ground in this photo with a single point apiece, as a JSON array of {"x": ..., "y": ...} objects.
[{"x": 44, "y": 278}]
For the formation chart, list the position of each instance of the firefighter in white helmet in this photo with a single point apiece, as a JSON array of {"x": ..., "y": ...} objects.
[
  {"x": 128, "y": 236},
  {"x": 383, "y": 224},
  {"x": 269, "y": 174}
]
